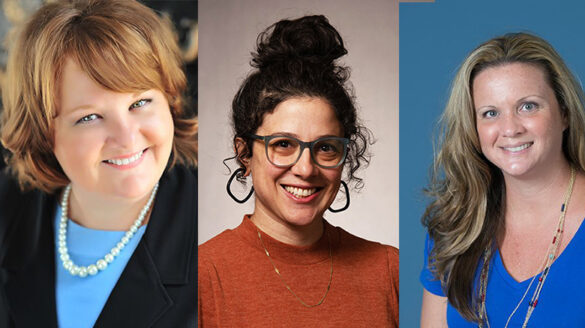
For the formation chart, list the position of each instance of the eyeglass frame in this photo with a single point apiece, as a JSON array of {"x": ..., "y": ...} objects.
[{"x": 303, "y": 145}]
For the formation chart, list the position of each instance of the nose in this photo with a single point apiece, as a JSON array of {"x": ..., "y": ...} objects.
[
  {"x": 305, "y": 167},
  {"x": 122, "y": 131},
  {"x": 511, "y": 125}
]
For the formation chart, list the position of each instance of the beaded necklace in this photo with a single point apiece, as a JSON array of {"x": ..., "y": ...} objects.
[{"x": 548, "y": 261}]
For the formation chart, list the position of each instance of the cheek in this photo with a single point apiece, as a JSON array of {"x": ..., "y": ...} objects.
[
  {"x": 260, "y": 167},
  {"x": 158, "y": 129},
  {"x": 72, "y": 148},
  {"x": 486, "y": 135}
]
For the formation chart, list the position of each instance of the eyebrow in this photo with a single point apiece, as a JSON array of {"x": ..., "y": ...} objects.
[
  {"x": 519, "y": 101},
  {"x": 91, "y": 106},
  {"x": 289, "y": 134}
]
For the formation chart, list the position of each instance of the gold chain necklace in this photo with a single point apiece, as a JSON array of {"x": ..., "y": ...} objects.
[
  {"x": 287, "y": 286},
  {"x": 548, "y": 261}
]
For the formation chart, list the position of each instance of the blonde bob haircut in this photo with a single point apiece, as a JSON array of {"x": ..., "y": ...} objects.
[
  {"x": 467, "y": 191},
  {"x": 122, "y": 45}
]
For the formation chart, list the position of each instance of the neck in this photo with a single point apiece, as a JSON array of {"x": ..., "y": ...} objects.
[
  {"x": 286, "y": 232},
  {"x": 104, "y": 212},
  {"x": 529, "y": 200}
]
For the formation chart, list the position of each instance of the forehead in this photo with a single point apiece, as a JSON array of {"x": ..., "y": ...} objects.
[
  {"x": 513, "y": 80},
  {"x": 76, "y": 87},
  {"x": 307, "y": 117}
]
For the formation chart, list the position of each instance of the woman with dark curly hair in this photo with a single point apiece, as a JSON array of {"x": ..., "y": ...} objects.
[
  {"x": 295, "y": 130},
  {"x": 505, "y": 233}
]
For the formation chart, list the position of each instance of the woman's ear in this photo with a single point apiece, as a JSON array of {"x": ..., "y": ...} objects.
[
  {"x": 565, "y": 116},
  {"x": 242, "y": 154}
]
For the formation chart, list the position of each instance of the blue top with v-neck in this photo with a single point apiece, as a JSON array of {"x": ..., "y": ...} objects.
[
  {"x": 561, "y": 302},
  {"x": 81, "y": 300}
]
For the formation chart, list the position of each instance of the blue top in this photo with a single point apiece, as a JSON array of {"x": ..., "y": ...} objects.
[
  {"x": 80, "y": 300},
  {"x": 561, "y": 302}
]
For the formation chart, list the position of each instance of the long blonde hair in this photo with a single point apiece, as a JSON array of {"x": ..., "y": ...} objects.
[
  {"x": 122, "y": 45},
  {"x": 467, "y": 191}
]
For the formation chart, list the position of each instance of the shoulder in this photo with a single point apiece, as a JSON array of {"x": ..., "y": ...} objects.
[
  {"x": 363, "y": 250},
  {"x": 220, "y": 246},
  {"x": 180, "y": 176},
  {"x": 21, "y": 216},
  {"x": 358, "y": 244},
  {"x": 177, "y": 193}
]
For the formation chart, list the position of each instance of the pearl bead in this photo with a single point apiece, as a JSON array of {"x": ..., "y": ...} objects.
[
  {"x": 92, "y": 270},
  {"x": 109, "y": 258},
  {"x": 115, "y": 251},
  {"x": 101, "y": 264},
  {"x": 83, "y": 272}
]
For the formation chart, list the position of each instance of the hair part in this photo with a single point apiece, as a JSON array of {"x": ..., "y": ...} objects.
[
  {"x": 467, "y": 191},
  {"x": 122, "y": 45},
  {"x": 297, "y": 59}
]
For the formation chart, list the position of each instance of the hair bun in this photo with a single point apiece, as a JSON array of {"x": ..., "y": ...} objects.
[{"x": 307, "y": 40}]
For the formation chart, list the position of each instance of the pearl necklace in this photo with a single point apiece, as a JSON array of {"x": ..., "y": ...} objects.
[
  {"x": 101, "y": 264},
  {"x": 548, "y": 261}
]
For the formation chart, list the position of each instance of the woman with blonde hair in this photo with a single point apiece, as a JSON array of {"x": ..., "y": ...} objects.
[
  {"x": 101, "y": 172},
  {"x": 508, "y": 193}
]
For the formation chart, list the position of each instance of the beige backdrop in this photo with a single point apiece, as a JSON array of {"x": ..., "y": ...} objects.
[{"x": 227, "y": 34}]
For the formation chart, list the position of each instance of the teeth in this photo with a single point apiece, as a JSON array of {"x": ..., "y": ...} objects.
[
  {"x": 300, "y": 192},
  {"x": 519, "y": 148},
  {"x": 126, "y": 161}
]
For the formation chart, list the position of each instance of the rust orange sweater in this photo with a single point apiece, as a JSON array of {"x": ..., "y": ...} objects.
[{"x": 239, "y": 288}]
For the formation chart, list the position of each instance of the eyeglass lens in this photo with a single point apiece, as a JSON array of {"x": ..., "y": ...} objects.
[{"x": 284, "y": 151}]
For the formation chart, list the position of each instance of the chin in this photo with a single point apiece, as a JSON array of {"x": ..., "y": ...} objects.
[
  {"x": 302, "y": 219},
  {"x": 133, "y": 189},
  {"x": 516, "y": 170}
]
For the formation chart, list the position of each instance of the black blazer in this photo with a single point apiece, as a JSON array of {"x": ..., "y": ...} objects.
[{"x": 156, "y": 289}]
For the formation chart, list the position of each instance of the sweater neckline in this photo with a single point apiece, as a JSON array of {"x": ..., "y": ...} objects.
[{"x": 286, "y": 253}]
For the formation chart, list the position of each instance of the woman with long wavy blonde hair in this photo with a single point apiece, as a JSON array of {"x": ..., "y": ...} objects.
[{"x": 508, "y": 192}]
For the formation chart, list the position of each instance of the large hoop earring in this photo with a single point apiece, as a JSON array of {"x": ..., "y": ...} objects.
[
  {"x": 228, "y": 187},
  {"x": 346, "y": 198}
]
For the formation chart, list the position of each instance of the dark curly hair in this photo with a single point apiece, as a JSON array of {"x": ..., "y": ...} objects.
[{"x": 297, "y": 58}]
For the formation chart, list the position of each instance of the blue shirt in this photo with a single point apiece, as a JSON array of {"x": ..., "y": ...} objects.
[
  {"x": 80, "y": 300},
  {"x": 561, "y": 302}
]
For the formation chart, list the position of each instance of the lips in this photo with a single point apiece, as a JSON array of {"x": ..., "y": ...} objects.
[
  {"x": 126, "y": 160},
  {"x": 300, "y": 192},
  {"x": 518, "y": 148}
]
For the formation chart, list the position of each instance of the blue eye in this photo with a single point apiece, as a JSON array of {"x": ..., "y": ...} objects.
[
  {"x": 87, "y": 119},
  {"x": 140, "y": 103},
  {"x": 528, "y": 106},
  {"x": 489, "y": 114}
]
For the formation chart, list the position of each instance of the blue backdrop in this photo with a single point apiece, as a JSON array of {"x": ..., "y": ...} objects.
[{"x": 434, "y": 40}]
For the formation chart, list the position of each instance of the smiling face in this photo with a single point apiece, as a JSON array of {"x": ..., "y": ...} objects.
[
  {"x": 117, "y": 144},
  {"x": 297, "y": 195},
  {"x": 519, "y": 122}
]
